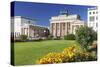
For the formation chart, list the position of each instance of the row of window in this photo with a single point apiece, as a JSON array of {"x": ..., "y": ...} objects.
[
  {"x": 93, "y": 18},
  {"x": 93, "y": 24},
  {"x": 93, "y": 12}
]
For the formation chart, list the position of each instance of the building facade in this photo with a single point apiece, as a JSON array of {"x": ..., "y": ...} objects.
[
  {"x": 93, "y": 18},
  {"x": 64, "y": 24},
  {"x": 26, "y": 26}
]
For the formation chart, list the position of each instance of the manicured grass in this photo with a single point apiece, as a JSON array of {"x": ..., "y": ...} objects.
[{"x": 26, "y": 53}]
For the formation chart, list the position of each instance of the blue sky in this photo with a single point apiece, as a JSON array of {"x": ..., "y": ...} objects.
[{"x": 44, "y": 11}]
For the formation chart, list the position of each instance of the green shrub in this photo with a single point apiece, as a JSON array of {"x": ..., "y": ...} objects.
[
  {"x": 85, "y": 56},
  {"x": 57, "y": 38},
  {"x": 39, "y": 39},
  {"x": 50, "y": 37},
  {"x": 69, "y": 37},
  {"x": 85, "y": 36},
  {"x": 95, "y": 35},
  {"x": 93, "y": 47},
  {"x": 23, "y": 37}
]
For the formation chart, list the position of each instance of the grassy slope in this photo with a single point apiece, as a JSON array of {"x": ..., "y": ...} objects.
[{"x": 29, "y": 52}]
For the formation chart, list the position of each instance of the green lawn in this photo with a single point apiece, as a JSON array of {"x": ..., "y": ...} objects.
[{"x": 26, "y": 53}]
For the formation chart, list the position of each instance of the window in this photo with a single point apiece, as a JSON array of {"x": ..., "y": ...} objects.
[
  {"x": 90, "y": 13},
  {"x": 96, "y": 12},
  {"x": 93, "y": 12},
  {"x": 92, "y": 18},
  {"x": 96, "y": 24},
  {"x": 96, "y": 18},
  {"x": 91, "y": 24}
]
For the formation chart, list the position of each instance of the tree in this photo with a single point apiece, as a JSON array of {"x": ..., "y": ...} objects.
[{"x": 85, "y": 36}]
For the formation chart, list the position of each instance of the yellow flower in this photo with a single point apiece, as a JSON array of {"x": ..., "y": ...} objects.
[{"x": 66, "y": 55}]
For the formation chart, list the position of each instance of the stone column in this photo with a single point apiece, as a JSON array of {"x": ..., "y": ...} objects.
[
  {"x": 24, "y": 31},
  {"x": 55, "y": 29},
  {"x": 71, "y": 29},
  {"x": 52, "y": 29},
  {"x": 28, "y": 31},
  {"x": 74, "y": 27},
  {"x": 65, "y": 28},
  {"x": 62, "y": 29},
  {"x": 51, "y": 25},
  {"x": 59, "y": 29}
]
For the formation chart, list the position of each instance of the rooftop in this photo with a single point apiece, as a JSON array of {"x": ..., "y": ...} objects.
[
  {"x": 95, "y": 8},
  {"x": 23, "y": 17}
]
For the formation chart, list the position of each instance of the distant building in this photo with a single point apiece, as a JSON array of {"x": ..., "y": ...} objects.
[
  {"x": 26, "y": 26},
  {"x": 93, "y": 18},
  {"x": 64, "y": 24}
]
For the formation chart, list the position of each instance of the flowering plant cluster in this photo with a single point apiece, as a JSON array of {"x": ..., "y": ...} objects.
[
  {"x": 65, "y": 56},
  {"x": 69, "y": 54}
]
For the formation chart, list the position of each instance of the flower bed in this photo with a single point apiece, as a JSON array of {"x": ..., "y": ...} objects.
[{"x": 69, "y": 54}]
